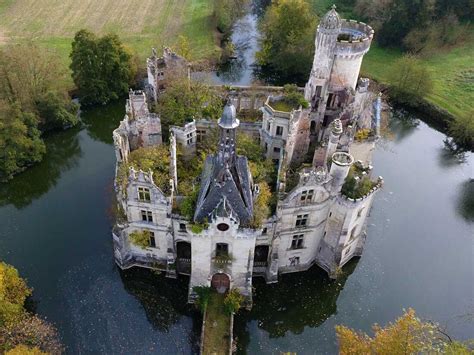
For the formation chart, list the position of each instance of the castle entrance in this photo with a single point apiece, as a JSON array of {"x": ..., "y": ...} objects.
[{"x": 220, "y": 282}]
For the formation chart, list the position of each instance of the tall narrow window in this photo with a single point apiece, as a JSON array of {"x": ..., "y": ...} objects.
[
  {"x": 301, "y": 220},
  {"x": 297, "y": 241},
  {"x": 152, "y": 240},
  {"x": 144, "y": 194},
  {"x": 279, "y": 131}
]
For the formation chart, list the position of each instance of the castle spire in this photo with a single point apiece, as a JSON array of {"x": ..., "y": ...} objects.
[
  {"x": 228, "y": 124},
  {"x": 331, "y": 21}
]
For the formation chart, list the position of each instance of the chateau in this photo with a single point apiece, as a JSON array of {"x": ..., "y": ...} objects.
[{"x": 323, "y": 189}]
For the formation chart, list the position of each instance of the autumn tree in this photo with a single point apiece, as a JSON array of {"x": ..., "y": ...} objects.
[
  {"x": 410, "y": 79},
  {"x": 30, "y": 77},
  {"x": 102, "y": 68},
  {"x": 288, "y": 31},
  {"x": 407, "y": 335},
  {"x": 20, "y": 331}
]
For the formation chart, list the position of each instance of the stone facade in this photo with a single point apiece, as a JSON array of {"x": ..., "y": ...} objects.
[{"x": 315, "y": 223}]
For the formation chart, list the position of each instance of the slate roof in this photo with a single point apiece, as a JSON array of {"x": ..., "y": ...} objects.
[{"x": 220, "y": 182}]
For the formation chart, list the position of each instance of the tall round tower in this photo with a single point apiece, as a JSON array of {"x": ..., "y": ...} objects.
[{"x": 326, "y": 39}]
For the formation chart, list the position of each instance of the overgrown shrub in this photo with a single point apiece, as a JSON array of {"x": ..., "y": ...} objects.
[
  {"x": 140, "y": 239},
  {"x": 233, "y": 301},
  {"x": 203, "y": 295}
]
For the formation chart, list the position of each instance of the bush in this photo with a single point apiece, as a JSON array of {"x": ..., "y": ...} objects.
[
  {"x": 233, "y": 301},
  {"x": 140, "y": 238},
  {"x": 203, "y": 295},
  {"x": 261, "y": 205}
]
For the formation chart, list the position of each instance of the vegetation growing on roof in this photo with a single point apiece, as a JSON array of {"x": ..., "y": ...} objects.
[
  {"x": 184, "y": 100},
  {"x": 140, "y": 239},
  {"x": 357, "y": 184},
  {"x": 292, "y": 100},
  {"x": 155, "y": 159}
]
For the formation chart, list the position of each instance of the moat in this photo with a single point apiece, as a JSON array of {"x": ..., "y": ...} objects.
[{"x": 55, "y": 228}]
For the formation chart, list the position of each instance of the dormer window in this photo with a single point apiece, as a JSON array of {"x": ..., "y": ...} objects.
[
  {"x": 144, "y": 194},
  {"x": 307, "y": 195}
]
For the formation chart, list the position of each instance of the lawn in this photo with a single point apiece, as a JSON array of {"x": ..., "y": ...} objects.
[
  {"x": 452, "y": 72},
  {"x": 216, "y": 334},
  {"x": 141, "y": 24}
]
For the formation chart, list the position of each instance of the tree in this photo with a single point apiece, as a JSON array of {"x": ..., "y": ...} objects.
[
  {"x": 20, "y": 142},
  {"x": 184, "y": 100},
  {"x": 462, "y": 130},
  {"x": 32, "y": 78},
  {"x": 407, "y": 335},
  {"x": 56, "y": 112},
  {"x": 288, "y": 31},
  {"x": 410, "y": 79},
  {"x": 13, "y": 293},
  {"x": 102, "y": 68},
  {"x": 22, "y": 332}
]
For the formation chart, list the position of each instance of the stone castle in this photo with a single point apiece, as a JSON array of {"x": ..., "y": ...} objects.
[{"x": 322, "y": 163}]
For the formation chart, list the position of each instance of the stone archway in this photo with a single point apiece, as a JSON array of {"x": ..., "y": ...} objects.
[{"x": 221, "y": 282}]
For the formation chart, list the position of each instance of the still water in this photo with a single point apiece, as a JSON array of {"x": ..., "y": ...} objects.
[{"x": 55, "y": 228}]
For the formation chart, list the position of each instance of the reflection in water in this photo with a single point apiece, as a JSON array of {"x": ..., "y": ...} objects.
[
  {"x": 164, "y": 300},
  {"x": 101, "y": 121},
  {"x": 402, "y": 125},
  {"x": 450, "y": 156},
  {"x": 465, "y": 200},
  {"x": 62, "y": 153},
  {"x": 297, "y": 301}
]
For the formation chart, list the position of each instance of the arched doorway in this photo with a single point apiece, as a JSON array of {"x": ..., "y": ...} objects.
[
  {"x": 183, "y": 253},
  {"x": 220, "y": 282}
]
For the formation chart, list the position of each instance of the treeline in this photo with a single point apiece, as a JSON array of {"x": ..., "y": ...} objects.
[
  {"x": 226, "y": 12},
  {"x": 417, "y": 25},
  {"x": 32, "y": 101}
]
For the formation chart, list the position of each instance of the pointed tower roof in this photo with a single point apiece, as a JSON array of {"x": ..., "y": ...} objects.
[
  {"x": 331, "y": 21},
  {"x": 229, "y": 118}
]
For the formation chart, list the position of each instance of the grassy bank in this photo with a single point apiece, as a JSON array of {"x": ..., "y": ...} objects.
[{"x": 141, "y": 24}]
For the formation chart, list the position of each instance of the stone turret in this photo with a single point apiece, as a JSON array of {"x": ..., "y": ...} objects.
[
  {"x": 334, "y": 136},
  {"x": 341, "y": 164}
]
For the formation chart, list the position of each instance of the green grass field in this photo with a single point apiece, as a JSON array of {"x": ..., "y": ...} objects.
[
  {"x": 452, "y": 72},
  {"x": 141, "y": 24}
]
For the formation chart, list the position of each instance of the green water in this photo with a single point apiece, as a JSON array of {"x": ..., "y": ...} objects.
[{"x": 54, "y": 227}]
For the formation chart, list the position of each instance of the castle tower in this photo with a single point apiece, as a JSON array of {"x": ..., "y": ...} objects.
[
  {"x": 326, "y": 37},
  {"x": 340, "y": 47},
  {"x": 228, "y": 124},
  {"x": 226, "y": 175}
]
